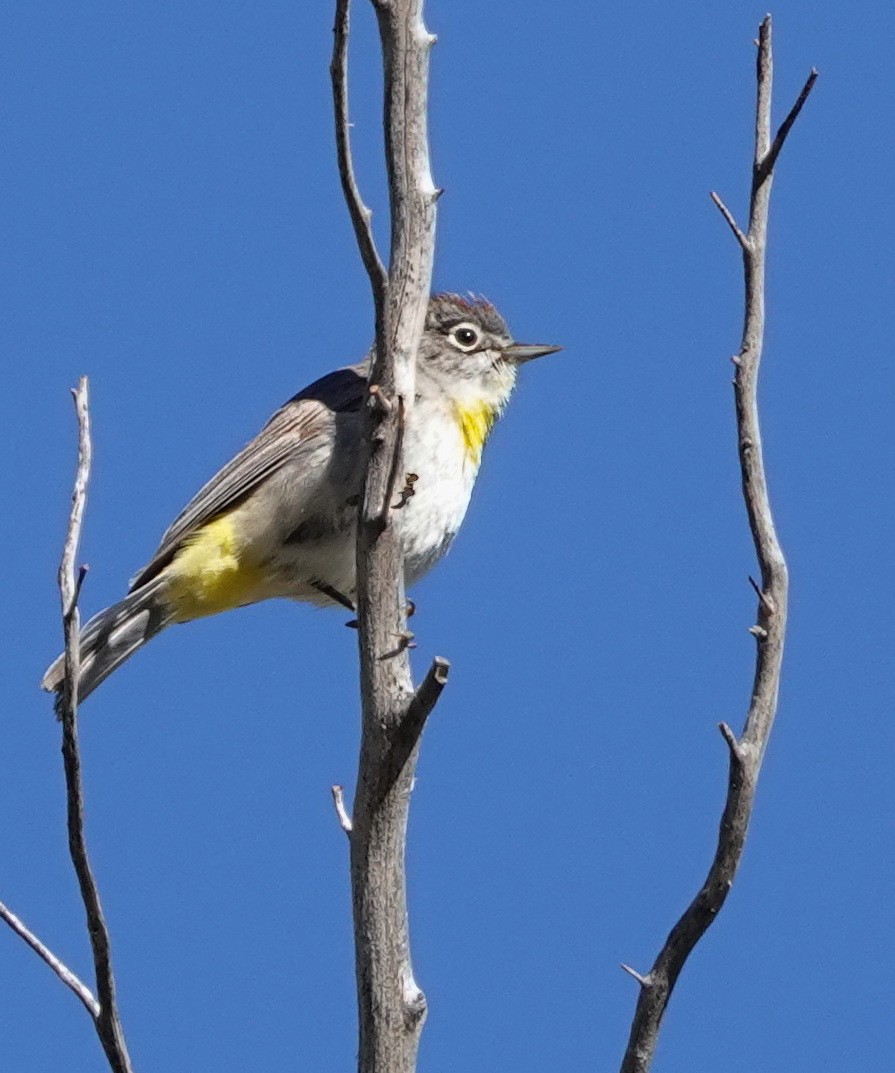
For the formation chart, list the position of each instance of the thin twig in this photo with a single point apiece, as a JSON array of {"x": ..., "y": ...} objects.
[
  {"x": 642, "y": 980},
  {"x": 361, "y": 215},
  {"x": 107, "y": 1021},
  {"x": 766, "y": 601},
  {"x": 338, "y": 793},
  {"x": 729, "y": 217},
  {"x": 48, "y": 957},
  {"x": 745, "y": 754},
  {"x": 767, "y": 164},
  {"x": 70, "y": 581},
  {"x": 394, "y": 469},
  {"x": 732, "y": 744}
]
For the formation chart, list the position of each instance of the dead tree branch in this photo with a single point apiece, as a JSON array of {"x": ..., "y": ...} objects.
[
  {"x": 103, "y": 1007},
  {"x": 391, "y": 1005},
  {"x": 49, "y": 958},
  {"x": 746, "y": 753},
  {"x": 107, "y": 1020},
  {"x": 361, "y": 215}
]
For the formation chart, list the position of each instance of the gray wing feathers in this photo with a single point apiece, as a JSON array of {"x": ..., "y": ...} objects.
[
  {"x": 110, "y": 637},
  {"x": 292, "y": 429}
]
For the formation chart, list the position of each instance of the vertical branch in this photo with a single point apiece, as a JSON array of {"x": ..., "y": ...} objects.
[
  {"x": 745, "y": 753},
  {"x": 391, "y": 1005},
  {"x": 107, "y": 1020},
  {"x": 361, "y": 215}
]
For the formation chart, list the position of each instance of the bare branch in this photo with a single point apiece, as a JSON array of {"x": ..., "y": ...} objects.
[
  {"x": 46, "y": 955},
  {"x": 107, "y": 1020},
  {"x": 361, "y": 215},
  {"x": 338, "y": 793},
  {"x": 69, "y": 581},
  {"x": 765, "y": 600},
  {"x": 745, "y": 754},
  {"x": 391, "y": 1006},
  {"x": 732, "y": 744},
  {"x": 395, "y": 468},
  {"x": 767, "y": 164},
  {"x": 642, "y": 980},
  {"x": 729, "y": 217},
  {"x": 407, "y": 735},
  {"x": 426, "y": 697}
]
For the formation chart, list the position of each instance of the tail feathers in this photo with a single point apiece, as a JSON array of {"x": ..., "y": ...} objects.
[{"x": 110, "y": 638}]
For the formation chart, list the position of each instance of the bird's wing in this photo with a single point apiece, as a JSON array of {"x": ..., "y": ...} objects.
[{"x": 285, "y": 435}]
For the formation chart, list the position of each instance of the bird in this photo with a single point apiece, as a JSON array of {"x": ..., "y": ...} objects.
[{"x": 280, "y": 519}]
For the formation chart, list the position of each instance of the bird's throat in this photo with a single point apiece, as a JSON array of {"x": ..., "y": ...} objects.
[{"x": 475, "y": 422}]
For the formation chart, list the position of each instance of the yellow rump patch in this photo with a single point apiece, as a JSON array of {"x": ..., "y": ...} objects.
[
  {"x": 475, "y": 423},
  {"x": 208, "y": 576}
]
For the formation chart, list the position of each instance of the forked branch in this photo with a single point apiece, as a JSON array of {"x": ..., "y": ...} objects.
[
  {"x": 745, "y": 753},
  {"x": 102, "y": 1007},
  {"x": 391, "y": 1006},
  {"x": 107, "y": 1021}
]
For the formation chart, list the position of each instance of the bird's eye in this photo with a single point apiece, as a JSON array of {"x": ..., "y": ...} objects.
[{"x": 465, "y": 336}]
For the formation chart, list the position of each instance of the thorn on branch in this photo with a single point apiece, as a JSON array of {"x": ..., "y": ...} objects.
[
  {"x": 759, "y": 632},
  {"x": 345, "y": 823},
  {"x": 644, "y": 981}
]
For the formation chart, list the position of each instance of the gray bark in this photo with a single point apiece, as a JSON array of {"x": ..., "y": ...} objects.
[
  {"x": 391, "y": 1005},
  {"x": 747, "y": 752}
]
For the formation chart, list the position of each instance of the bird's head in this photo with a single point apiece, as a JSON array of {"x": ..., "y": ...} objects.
[{"x": 469, "y": 350}]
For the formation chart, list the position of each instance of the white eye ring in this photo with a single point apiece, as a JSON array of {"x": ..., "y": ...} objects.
[{"x": 465, "y": 337}]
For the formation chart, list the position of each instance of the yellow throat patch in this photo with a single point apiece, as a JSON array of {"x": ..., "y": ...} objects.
[
  {"x": 208, "y": 576},
  {"x": 475, "y": 422}
]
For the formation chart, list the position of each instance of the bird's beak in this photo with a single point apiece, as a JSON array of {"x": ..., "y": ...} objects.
[{"x": 521, "y": 352}]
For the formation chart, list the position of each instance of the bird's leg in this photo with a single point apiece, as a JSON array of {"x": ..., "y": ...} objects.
[
  {"x": 334, "y": 595},
  {"x": 406, "y": 636}
]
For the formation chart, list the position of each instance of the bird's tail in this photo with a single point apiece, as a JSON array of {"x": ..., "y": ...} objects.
[{"x": 111, "y": 637}]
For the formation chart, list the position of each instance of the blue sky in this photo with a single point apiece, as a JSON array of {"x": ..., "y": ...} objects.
[{"x": 173, "y": 227}]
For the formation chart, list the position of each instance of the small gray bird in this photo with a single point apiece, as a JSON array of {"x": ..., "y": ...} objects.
[{"x": 280, "y": 518}]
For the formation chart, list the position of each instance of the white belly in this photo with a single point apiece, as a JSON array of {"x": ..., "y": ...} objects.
[
  {"x": 427, "y": 523},
  {"x": 445, "y": 475}
]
